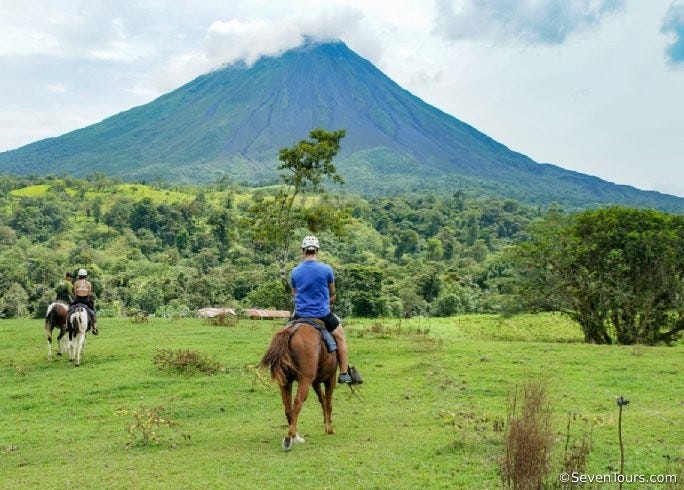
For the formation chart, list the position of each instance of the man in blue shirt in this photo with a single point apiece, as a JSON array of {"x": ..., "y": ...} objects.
[{"x": 313, "y": 288}]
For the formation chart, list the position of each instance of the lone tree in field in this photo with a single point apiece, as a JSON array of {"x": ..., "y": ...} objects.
[
  {"x": 304, "y": 168},
  {"x": 618, "y": 272}
]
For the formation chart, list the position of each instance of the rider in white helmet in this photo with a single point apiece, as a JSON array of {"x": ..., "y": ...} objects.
[
  {"x": 83, "y": 294},
  {"x": 313, "y": 288}
]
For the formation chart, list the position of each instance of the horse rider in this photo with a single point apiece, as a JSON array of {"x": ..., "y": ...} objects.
[
  {"x": 65, "y": 289},
  {"x": 83, "y": 295},
  {"x": 313, "y": 287}
]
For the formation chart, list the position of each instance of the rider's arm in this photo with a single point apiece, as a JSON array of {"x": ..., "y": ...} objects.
[{"x": 331, "y": 287}]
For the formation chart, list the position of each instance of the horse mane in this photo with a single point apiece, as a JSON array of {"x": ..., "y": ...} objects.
[{"x": 278, "y": 358}]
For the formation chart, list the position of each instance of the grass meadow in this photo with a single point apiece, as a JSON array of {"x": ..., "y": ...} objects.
[{"x": 431, "y": 413}]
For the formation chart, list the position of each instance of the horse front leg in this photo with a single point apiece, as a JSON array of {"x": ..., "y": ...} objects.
[{"x": 329, "y": 388}]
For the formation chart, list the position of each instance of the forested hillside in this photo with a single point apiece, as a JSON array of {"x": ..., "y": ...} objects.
[{"x": 168, "y": 250}]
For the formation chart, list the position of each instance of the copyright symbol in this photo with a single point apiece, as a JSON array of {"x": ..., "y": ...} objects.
[{"x": 564, "y": 477}]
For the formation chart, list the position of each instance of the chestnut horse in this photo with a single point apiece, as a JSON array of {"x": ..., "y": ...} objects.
[
  {"x": 56, "y": 317},
  {"x": 297, "y": 353}
]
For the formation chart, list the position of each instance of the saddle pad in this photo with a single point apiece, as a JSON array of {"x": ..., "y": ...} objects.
[{"x": 327, "y": 337}]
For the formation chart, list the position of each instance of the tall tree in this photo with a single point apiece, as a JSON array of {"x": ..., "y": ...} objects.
[
  {"x": 619, "y": 272},
  {"x": 304, "y": 167}
]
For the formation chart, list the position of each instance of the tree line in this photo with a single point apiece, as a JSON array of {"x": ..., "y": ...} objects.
[{"x": 168, "y": 250}]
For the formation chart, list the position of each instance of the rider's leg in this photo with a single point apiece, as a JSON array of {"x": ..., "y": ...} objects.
[{"x": 342, "y": 353}]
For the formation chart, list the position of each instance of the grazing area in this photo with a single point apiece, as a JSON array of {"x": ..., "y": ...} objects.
[{"x": 432, "y": 412}]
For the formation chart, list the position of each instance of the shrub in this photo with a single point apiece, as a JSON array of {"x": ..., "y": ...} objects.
[
  {"x": 186, "y": 362},
  {"x": 222, "y": 320},
  {"x": 528, "y": 439},
  {"x": 577, "y": 449},
  {"x": 147, "y": 422}
]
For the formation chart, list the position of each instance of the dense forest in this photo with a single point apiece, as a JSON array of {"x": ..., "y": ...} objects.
[{"x": 168, "y": 250}]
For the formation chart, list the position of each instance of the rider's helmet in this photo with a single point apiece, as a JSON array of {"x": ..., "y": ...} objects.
[
  {"x": 82, "y": 273},
  {"x": 310, "y": 243}
]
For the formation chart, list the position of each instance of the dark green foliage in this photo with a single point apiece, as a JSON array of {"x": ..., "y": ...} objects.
[
  {"x": 361, "y": 291},
  {"x": 619, "y": 272},
  {"x": 39, "y": 218},
  {"x": 168, "y": 255},
  {"x": 270, "y": 294}
]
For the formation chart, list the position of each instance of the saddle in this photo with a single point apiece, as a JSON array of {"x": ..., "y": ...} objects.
[{"x": 327, "y": 337}]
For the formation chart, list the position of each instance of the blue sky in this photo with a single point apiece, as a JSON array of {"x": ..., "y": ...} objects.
[{"x": 595, "y": 86}]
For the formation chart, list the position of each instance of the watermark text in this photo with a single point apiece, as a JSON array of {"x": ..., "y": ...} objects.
[{"x": 582, "y": 478}]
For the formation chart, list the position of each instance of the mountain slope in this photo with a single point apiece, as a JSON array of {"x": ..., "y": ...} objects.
[{"x": 233, "y": 121}]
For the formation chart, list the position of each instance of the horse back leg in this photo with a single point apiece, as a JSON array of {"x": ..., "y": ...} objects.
[
  {"x": 80, "y": 340},
  {"x": 286, "y": 395},
  {"x": 326, "y": 404},
  {"x": 303, "y": 386},
  {"x": 48, "y": 334},
  {"x": 61, "y": 340}
]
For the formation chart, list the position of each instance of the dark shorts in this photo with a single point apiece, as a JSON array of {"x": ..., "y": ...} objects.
[{"x": 331, "y": 321}]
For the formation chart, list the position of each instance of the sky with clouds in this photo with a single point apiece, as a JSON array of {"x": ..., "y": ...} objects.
[{"x": 595, "y": 86}]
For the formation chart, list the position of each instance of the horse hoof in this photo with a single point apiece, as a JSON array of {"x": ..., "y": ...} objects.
[
  {"x": 299, "y": 439},
  {"x": 287, "y": 443}
]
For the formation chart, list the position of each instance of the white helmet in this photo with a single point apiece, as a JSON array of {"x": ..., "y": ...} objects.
[
  {"x": 82, "y": 272},
  {"x": 310, "y": 243}
]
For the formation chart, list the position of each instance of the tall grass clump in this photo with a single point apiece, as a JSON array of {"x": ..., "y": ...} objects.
[
  {"x": 528, "y": 438},
  {"x": 186, "y": 362},
  {"x": 577, "y": 449}
]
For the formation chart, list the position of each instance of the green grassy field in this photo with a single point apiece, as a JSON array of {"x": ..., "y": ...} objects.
[{"x": 67, "y": 427}]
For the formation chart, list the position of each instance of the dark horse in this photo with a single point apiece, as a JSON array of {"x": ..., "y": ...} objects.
[
  {"x": 56, "y": 317},
  {"x": 297, "y": 353}
]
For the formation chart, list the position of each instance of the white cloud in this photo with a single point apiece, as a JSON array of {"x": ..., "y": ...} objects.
[
  {"x": 233, "y": 40},
  {"x": 673, "y": 25},
  {"x": 528, "y": 21},
  {"x": 579, "y": 83}
]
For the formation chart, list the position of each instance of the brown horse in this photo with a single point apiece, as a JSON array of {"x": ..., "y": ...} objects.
[
  {"x": 56, "y": 317},
  {"x": 297, "y": 353}
]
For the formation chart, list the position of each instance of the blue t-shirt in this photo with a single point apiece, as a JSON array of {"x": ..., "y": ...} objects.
[{"x": 312, "y": 295}]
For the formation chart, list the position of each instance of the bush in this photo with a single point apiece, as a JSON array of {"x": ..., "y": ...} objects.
[
  {"x": 173, "y": 309},
  {"x": 270, "y": 294},
  {"x": 222, "y": 320},
  {"x": 528, "y": 439},
  {"x": 186, "y": 362}
]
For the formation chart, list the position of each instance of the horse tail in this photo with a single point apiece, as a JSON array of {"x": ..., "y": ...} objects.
[
  {"x": 279, "y": 359},
  {"x": 50, "y": 317}
]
